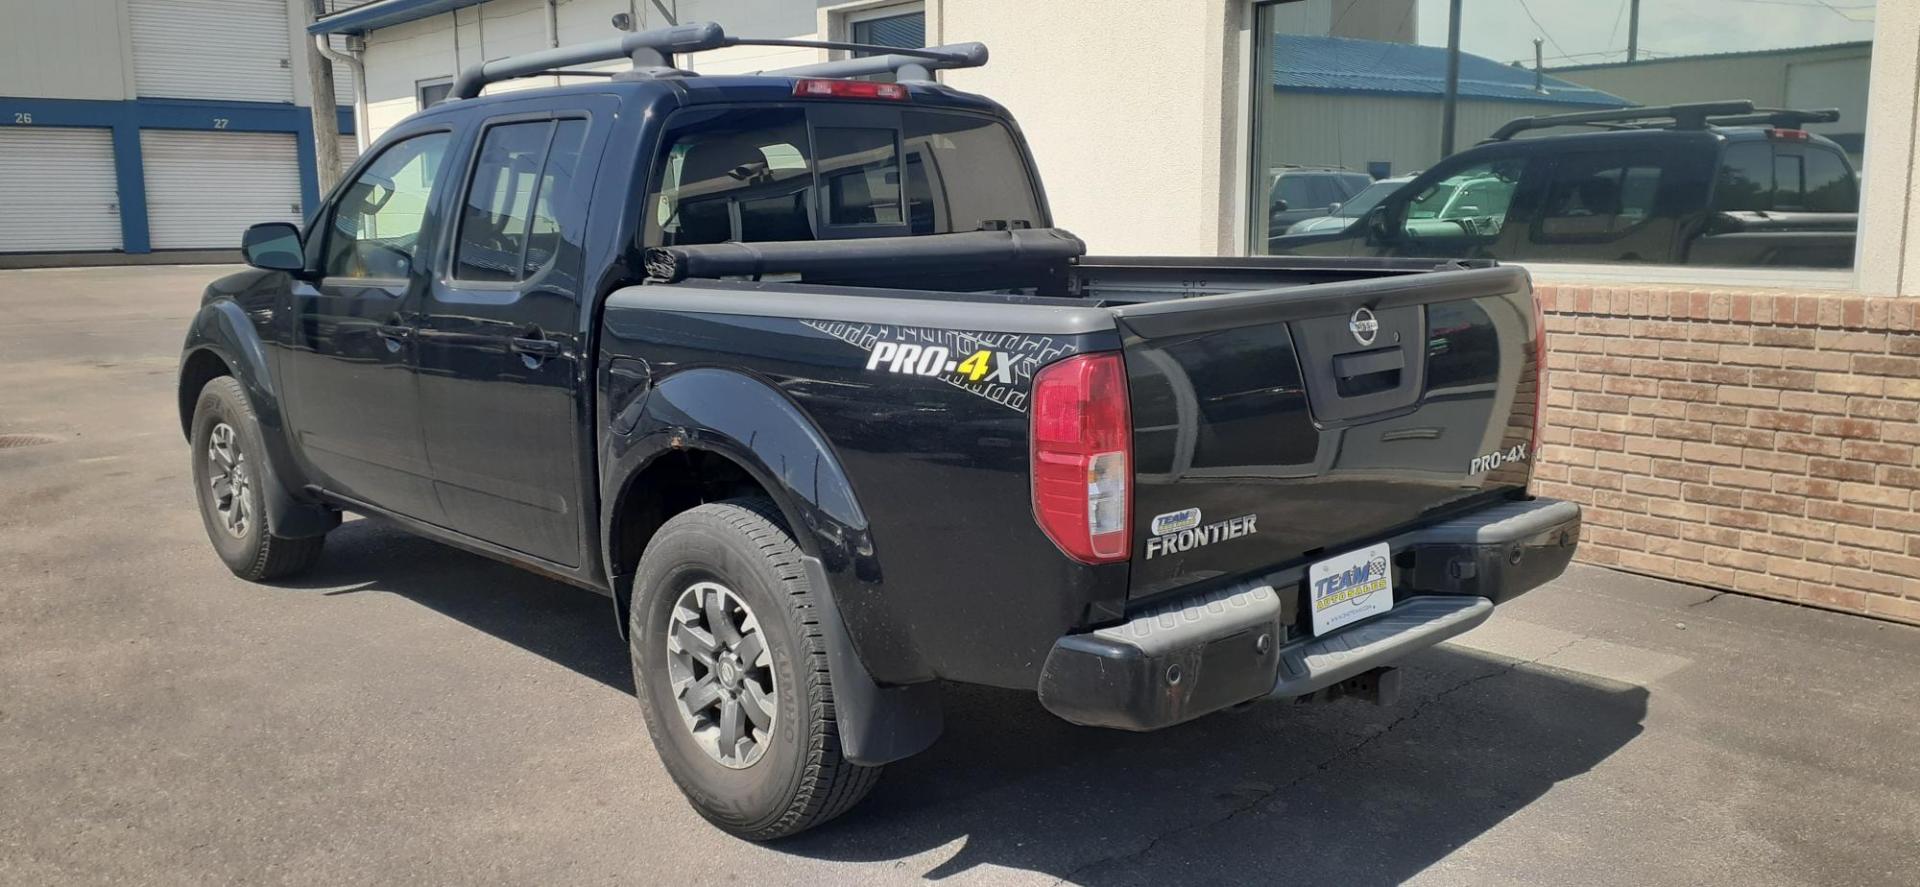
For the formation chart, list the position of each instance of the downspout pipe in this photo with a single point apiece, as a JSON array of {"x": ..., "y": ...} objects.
[{"x": 352, "y": 60}]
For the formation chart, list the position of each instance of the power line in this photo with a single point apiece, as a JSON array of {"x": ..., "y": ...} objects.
[
  {"x": 1617, "y": 15},
  {"x": 1542, "y": 29}
]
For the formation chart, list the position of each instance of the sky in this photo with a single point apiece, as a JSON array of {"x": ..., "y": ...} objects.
[{"x": 1592, "y": 31}]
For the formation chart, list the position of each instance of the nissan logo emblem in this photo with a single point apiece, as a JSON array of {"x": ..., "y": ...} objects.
[{"x": 1365, "y": 326}]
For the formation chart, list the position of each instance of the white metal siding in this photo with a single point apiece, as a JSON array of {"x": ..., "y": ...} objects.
[
  {"x": 214, "y": 49},
  {"x": 205, "y": 188},
  {"x": 57, "y": 190}
]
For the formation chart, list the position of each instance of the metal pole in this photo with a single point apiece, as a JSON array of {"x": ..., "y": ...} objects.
[
  {"x": 1539, "y": 69},
  {"x": 326, "y": 111},
  {"x": 1452, "y": 98},
  {"x": 1633, "y": 30}
]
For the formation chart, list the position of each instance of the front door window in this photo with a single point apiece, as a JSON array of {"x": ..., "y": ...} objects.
[{"x": 375, "y": 229}]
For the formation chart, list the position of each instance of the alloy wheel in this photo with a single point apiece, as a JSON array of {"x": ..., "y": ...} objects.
[
  {"x": 722, "y": 674},
  {"x": 230, "y": 480}
]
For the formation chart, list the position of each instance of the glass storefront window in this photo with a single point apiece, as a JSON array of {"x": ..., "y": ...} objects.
[{"x": 1709, "y": 133}]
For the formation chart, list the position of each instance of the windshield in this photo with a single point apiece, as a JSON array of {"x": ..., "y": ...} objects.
[{"x": 760, "y": 174}]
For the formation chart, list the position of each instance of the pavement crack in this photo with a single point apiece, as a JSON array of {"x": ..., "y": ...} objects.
[
  {"x": 1323, "y": 766},
  {"x": 1706, "y": 600}
]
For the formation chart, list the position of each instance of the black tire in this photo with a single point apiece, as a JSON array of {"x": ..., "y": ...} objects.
[
  {"x": 251, "y": 551},
  {"x": 800, "y": 778}
]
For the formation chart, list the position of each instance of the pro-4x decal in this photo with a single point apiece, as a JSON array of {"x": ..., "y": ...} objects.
[{"x": 996, "y": 366}]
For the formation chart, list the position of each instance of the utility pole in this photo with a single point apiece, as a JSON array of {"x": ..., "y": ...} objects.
[
  {"x": 1633, "y": 30},
  {"x": 326, "y": 109},
  {"x": 1452, "y": 98},
  {"x": 1539, "y": 69}
]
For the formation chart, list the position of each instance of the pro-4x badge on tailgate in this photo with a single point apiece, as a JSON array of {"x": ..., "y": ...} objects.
[{"x": 1497, "y": 458}]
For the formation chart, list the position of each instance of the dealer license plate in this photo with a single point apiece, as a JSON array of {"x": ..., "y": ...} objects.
[{"x": 1346, "y": 589}]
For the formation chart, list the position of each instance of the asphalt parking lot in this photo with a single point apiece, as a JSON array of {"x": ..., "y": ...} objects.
[{"x": 412, "y": 714}]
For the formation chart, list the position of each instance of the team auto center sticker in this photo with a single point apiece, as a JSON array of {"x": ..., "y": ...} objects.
[{"x": 996, "y": 366}]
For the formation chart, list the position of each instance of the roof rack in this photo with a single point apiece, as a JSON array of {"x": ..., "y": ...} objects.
[
  {"x": 1690, "y": 116},
  {"x": 1783, "y": 118},
  {"x": 652, "y": 52}
]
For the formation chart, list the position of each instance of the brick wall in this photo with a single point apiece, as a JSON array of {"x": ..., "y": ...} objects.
[{"x": 1758, "y": 442}]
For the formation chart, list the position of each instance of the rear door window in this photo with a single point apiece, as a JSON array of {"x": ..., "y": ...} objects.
[
  {"x": 521, "y": 189},
  {"x": 1745, "y": 181},
  {"x": 771, "y": 174}
]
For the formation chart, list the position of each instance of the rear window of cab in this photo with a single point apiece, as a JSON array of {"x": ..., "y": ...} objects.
[{"x": 792, "y": 173}]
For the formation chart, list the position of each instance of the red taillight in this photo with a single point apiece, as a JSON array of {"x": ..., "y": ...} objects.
[
  {"x": 1083, "y": 457},
  {"x": 1789, "y": 135},
  {"x": 1540, "y": 377},
  {"x": 849, "y": 89}
]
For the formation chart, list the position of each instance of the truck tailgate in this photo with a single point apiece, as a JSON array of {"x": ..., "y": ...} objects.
[{"x": 1273, "y": 427}]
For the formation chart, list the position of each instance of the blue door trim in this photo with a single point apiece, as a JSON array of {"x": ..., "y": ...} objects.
[{"x": 128, "y": 118}]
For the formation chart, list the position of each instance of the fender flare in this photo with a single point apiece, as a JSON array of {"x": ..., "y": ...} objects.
[
  {"x": 221, "y": 328},
  {"x": 750, "y": 423}
]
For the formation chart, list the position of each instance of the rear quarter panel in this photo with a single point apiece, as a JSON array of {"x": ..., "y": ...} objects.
[{"x": 940, "y": 571}]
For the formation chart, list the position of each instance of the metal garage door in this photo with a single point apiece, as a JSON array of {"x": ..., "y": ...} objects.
[
  {"x": 205, "y": 188},
  {"x": 212, "y": 49},
  {"x": 57, "y": 190}
]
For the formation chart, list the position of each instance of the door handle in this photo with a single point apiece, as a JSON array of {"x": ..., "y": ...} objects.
[
  {"x": 536, "y": 347},
  {"x": 396, "y": 331}
]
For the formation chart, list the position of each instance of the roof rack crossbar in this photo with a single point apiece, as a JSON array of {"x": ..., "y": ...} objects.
[
  {"x": 653, "y": 50},
  {"x": 1688, "y": 116},
  {"x": 1783, "y": 118}
]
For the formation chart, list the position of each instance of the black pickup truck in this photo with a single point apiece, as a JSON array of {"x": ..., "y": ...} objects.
[{"x": 796, "y": 370}]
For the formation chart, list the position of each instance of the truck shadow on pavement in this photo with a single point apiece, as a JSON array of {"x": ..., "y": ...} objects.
[{"x": 1345, "y": 793}]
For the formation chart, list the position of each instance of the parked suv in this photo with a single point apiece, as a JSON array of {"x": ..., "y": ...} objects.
[
  {"x": 1299, "y": 193},
  {"x": 1707, "y": 184}
]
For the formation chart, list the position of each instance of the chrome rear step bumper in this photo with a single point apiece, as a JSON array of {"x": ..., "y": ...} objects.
[{"x": 1181, "y": 659}]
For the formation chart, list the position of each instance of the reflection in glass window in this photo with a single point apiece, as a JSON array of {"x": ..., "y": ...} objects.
[
  {"x": 734, "y": 175},
  {"x": 1597, "y": 195},
  {"x": 1745, "y": 178},
  {"x": 1831, "y": 186},
  {"x": 1472, "y": 201},
  {"x": 522, "y": 186},
  {"x": 1761, "y": 157},
  {"x": 746, "y": 175},
  {"x": 861, "y": 174},
  {"x": 377, "y": 219}
]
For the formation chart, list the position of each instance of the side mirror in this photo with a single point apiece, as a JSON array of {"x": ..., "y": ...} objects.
[
  {"x": 1380, "y": 225},
  {"x": 1333, "y": 209},
  {"x": 274, "y": 246},
  {"x": 1278, "y": 206}
]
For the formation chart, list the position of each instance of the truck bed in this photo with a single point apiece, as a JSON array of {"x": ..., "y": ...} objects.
[{"x": 1253, "y": 398}]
